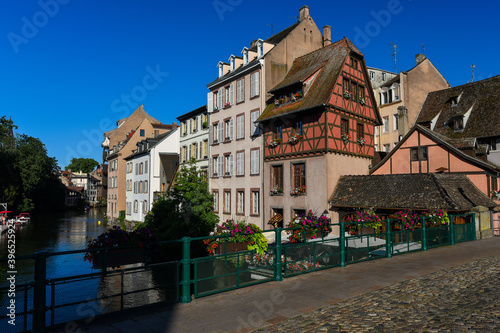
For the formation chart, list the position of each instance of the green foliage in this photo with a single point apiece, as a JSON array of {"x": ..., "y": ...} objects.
[
  {"x": 85, "y": 165},
  {"x": 308, "y": 224},
  {"x": 29, "y": 180},
  {"x": 121, "y": 218},
  {"x": 186, "y": 210}
]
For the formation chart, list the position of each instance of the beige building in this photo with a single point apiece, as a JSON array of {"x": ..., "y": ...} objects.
[
  {"x": 400, "y": 99},
  {"x": 119, "y": 144},
  {"x": 235, "y": 101}
]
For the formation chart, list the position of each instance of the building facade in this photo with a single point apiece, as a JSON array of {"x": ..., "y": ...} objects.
[
  {"x": 400, "y": 99},
  {"x": 319, "y": 126},
  {"x": 235, "y": 101},
  {"x": 194, "y": 129}
]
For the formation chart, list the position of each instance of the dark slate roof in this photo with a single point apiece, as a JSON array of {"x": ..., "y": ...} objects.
[
  {"x": 445, "y": 141},
  {"x": 328, "y": 61},
  {"x": 482, "y": 96},
  {"x": 195, "y": 112},
  {"x": 281, "y": 35},
  {"x": 234, "y": 73},
  {"x": 154, "y": 141},
  {"x": 450, "y": 192}
]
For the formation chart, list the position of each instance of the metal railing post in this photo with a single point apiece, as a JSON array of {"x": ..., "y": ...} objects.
[
  {"x": 424, "y": 235},
  {"x": 388, "y": 239},
  {"x": 278, "y": 264},
  {"x": 474, "y": 221},
  {"x": 39, "y": 292},
  {"x": 452, "y": 230},
  {"x": 186, "y": 270},
  {"x": 342, "y": 243}
]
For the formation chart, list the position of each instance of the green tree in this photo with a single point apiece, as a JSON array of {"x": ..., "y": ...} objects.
[
  {"x": 185, "y": 210},
  {"x": 85, "y": 165},
  {"x": 7, "y": 128}
]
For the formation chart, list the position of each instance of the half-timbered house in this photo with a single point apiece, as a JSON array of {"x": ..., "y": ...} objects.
[{"x": 318, "y": 125}]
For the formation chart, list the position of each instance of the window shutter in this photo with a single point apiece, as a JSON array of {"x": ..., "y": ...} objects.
[
  {"x": 231, "y": 165},
  {"x": 240, "y": 125},
  {"x": 220, "y": 161},
  {"x": 231, "y": 93},
  {"x": 221, "y": 132},
  {"x": 241, "y": 90},
  {"x": 254, "y": 126},
  {"x": 210, "y": 167},
  {"x": 210, "y": 134},
  {"x": 231, "y": 126},
  {"x": 221, "y": 98}
]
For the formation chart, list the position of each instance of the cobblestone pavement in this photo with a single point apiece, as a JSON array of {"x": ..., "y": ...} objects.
[{"x": 465, "y": 298}]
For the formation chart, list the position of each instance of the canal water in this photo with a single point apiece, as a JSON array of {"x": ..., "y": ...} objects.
[{"x": 70, "y": 231}]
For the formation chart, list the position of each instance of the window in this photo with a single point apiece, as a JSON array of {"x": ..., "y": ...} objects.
[
  {"x": 278, "y": 131},
  {"x": 372, "y": 75},
  {"x": 228, "y": 164},
  {"x": 255, "y": 202},
  {"x": 240, "y": 163},
  {"x": 240, "y": 126},
  {"x": 227, "y": 201},
  {"x": 386, "y": 124},
  {"x": 228, "y": 125},
  {"x": 354, "y": 62},
  {"x": 395, "y": 119},
  {"x": 215, "y": 193},
  {"x": 205, "y": 149},
  {"x": 194, "y": 150},
  {"x": 384, "y": 76},
  {"x": 299, "y": 175},
  {"x": 184, "y": 128},
  {"x": 387, "y": 148},
  {"x": 298, "y": 127},
  {"x": 240, "y": 90},
  {"x": 254, "y": 85},
  {"x": 194, "y": 122},
  {"x": 254, "y": 127},
  {"x": 136, "y": 205},
  {"x": 215, "y": 133},
  {"x": 146, "y": 167},
  {"x": 215, "y": 166},
  {"x": 221, "y": 132},
  {"x": 141, "y": 168},
  {"x": 299, "y": 212},
  {"x": 142, "y": 132},
  {"x": 146, "y": 186},
  {"x": 277, "y": 178},
  {"x": 240, "y": 197},
  {"x": 254, "y": 161},
  {"x": 344, "y": 126},
  {"x": 204, "y": 121},
  {"x": 360, "y": 131}
]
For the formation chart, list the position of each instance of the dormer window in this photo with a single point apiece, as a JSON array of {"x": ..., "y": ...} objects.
[
  {"x": 260, "y": 48},
  {"x": 457, "y": 123},
  {"x": 231, "y": 62},
  {"x": 221, "y": 69},
  {"x": 245, "y": 56},
  {"x": 453, "y": 101}
]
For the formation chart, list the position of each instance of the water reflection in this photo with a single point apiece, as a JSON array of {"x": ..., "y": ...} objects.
[{"x": 66, "y": 232}]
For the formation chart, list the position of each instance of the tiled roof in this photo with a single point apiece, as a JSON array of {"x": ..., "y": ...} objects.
[
  {"x": 481, "y": 96},
  {"x": 165, "y": 126},
  {"x": 281, "y": 35},
  {"x": 329, "y": 61},
  {"x": 451, "y": 192}
]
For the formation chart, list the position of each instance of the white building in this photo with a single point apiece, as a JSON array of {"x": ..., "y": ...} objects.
[
  {"x": 194, "y": 137},
  {"x": 149, "y": 171}
]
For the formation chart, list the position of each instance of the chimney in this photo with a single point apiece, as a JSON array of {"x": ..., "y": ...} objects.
[
  {"x": 327, "y": 35},
  {"x": 304, "y": 13},
  {"x": 420, "y": 57},
  {"x": 402, "y": 121}
]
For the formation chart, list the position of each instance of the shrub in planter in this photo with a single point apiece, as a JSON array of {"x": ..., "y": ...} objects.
[{"x": 309, "y": 224}]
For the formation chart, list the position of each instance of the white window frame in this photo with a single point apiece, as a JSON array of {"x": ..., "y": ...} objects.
[
  {"x": 240, "y": 202},
  {"x": 255, "y": 202}
]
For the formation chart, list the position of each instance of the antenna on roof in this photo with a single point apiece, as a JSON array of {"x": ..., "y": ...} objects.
[
  {"x": 395, "y": 47},
  {"x": 271, "y": 29},
  {"x": 472, "y": 67},
  {"x": 297, "y": 17}
]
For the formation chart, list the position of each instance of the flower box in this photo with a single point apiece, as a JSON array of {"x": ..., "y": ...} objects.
[{"x": 232, "y": 248}]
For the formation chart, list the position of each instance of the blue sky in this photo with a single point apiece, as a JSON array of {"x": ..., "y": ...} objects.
[{"x": 71, "y": 68}]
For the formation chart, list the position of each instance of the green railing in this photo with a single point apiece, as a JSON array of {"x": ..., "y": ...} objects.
[{"x": 46, "y": 301}]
